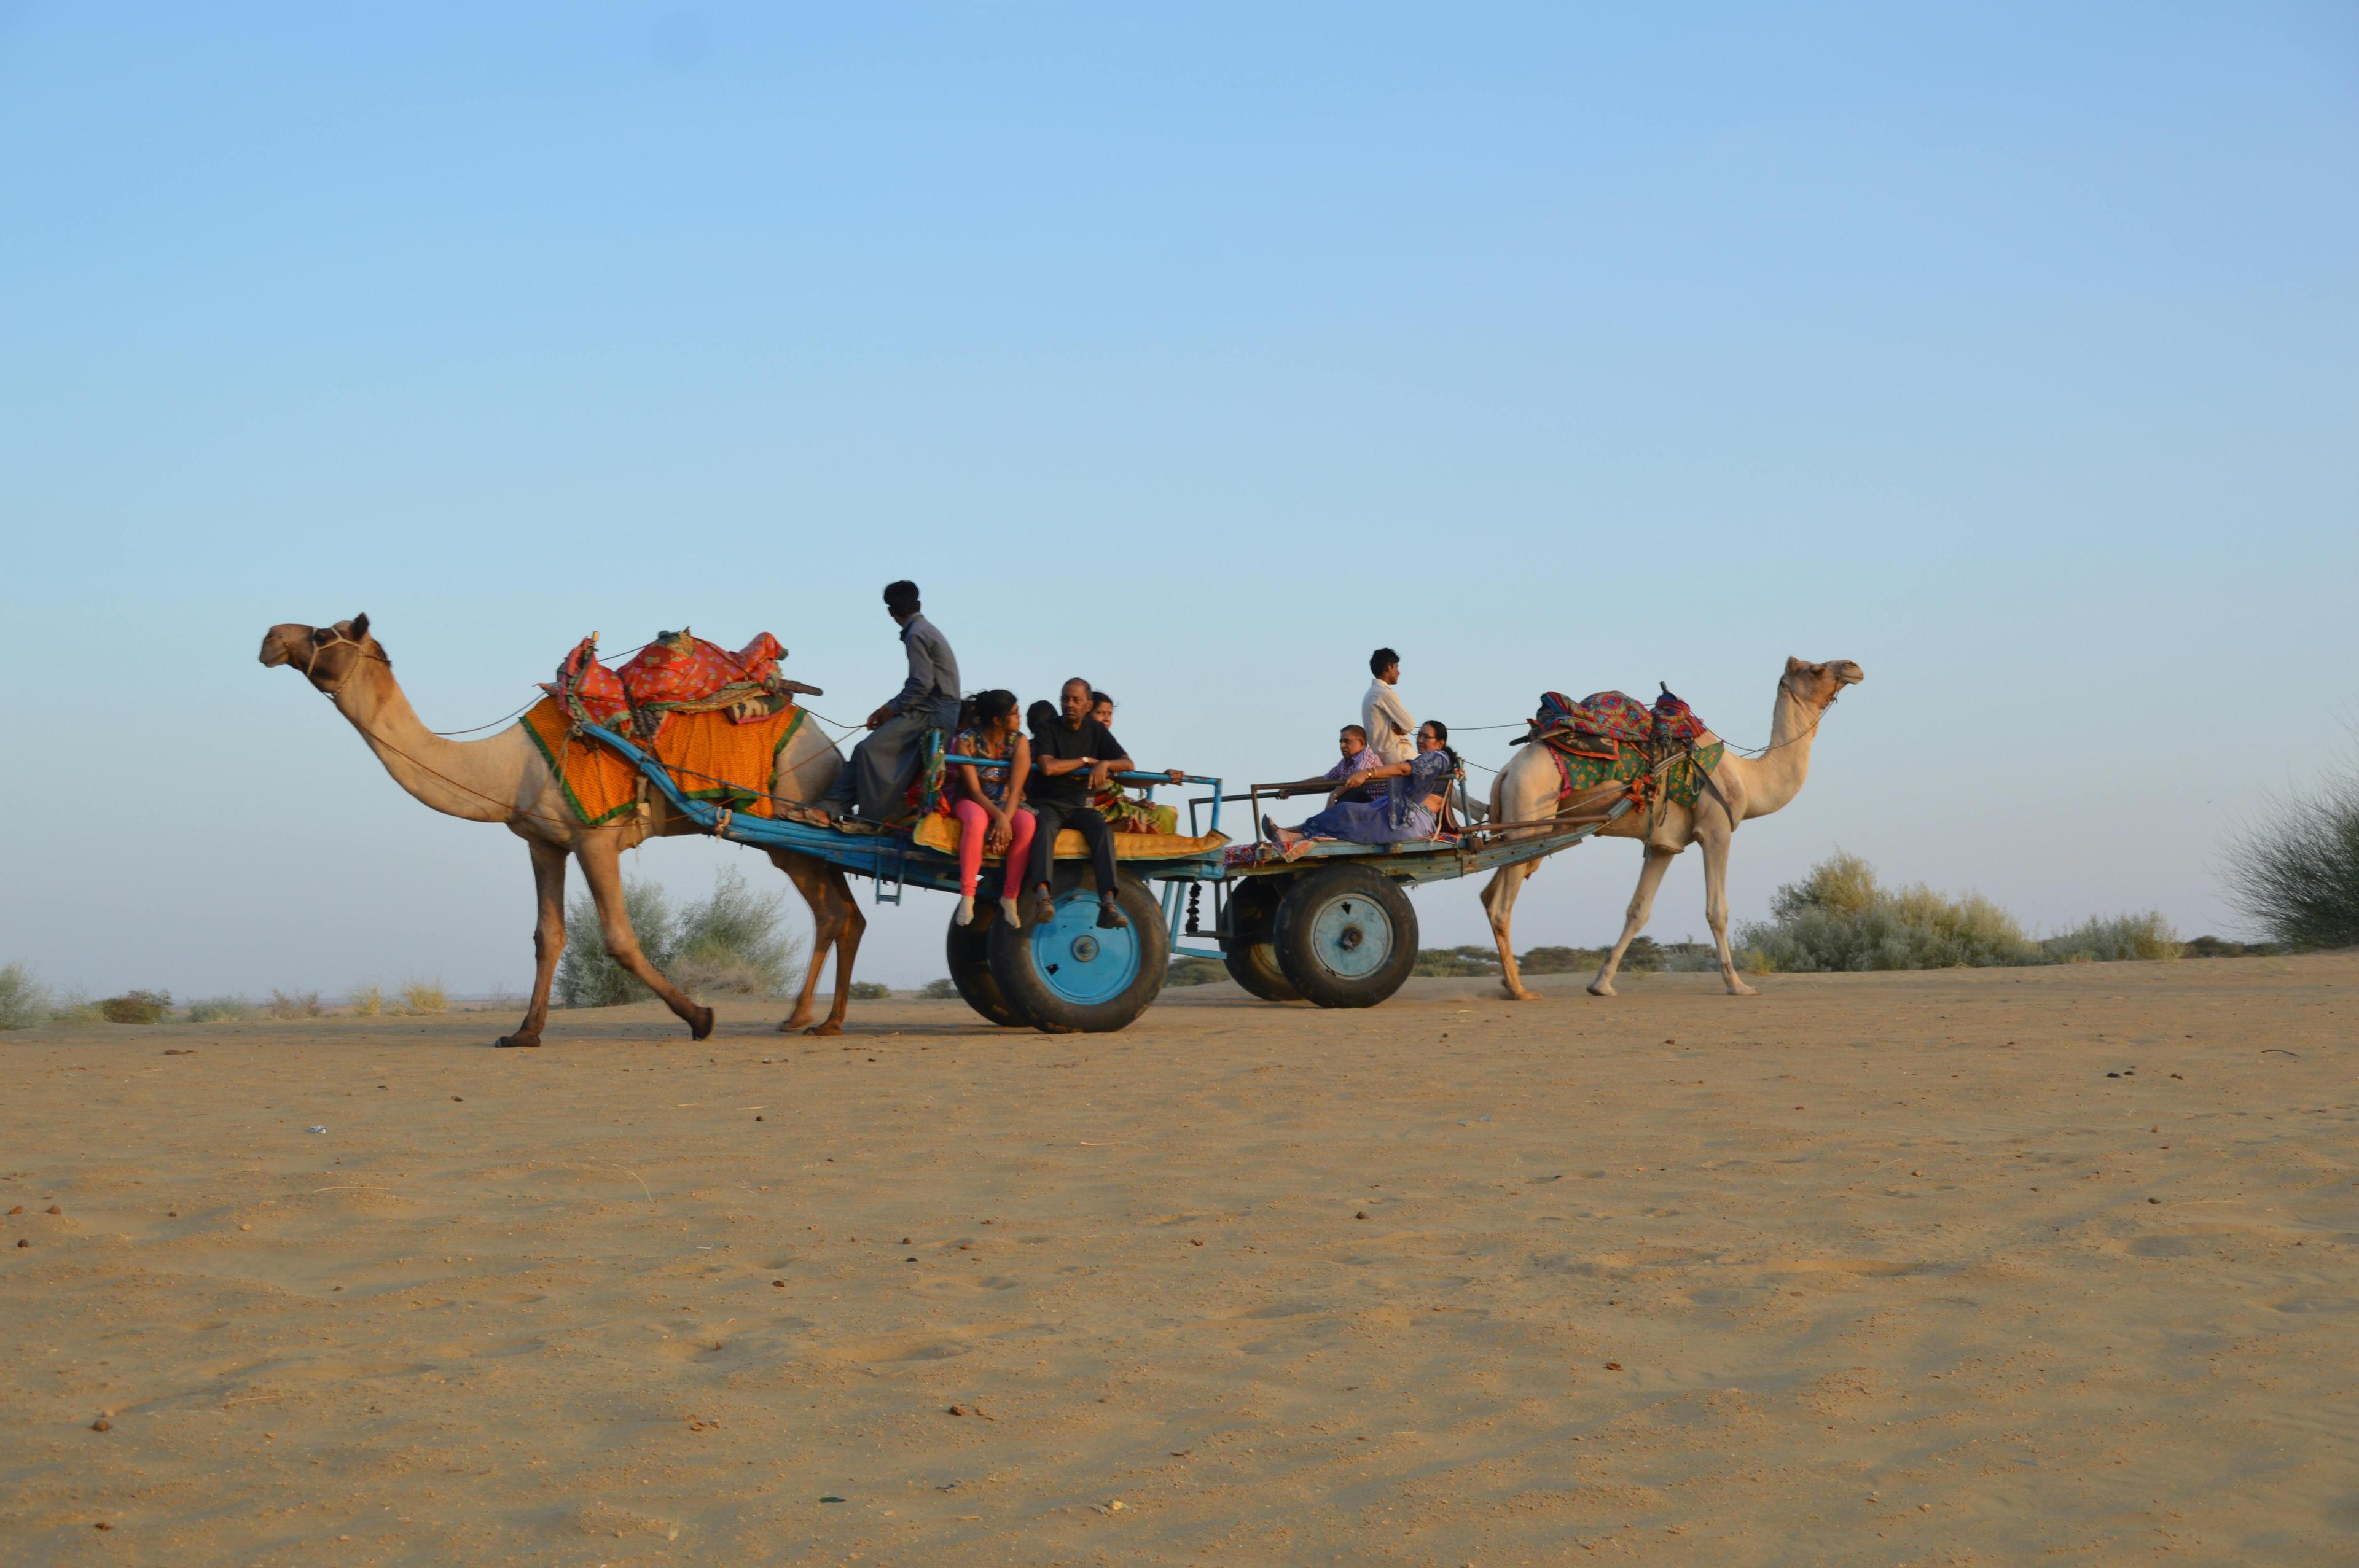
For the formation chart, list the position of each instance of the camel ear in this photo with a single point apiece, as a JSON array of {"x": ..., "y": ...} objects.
[
  {"x": 360, "y": 626},
  {"x": 1792, "y": 664}
]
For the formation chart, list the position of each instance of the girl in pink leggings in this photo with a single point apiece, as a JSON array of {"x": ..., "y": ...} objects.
[{"x": 989, "y": 802}]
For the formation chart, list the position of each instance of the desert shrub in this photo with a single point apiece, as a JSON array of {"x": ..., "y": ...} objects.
[
  {"x": 731, "y": 941},
  {"x": 1188, "y": 969},
  {"x": 365, "y": 1001},
  {"x": 2107, "y": 939},
  {"x": 587, "y": 976},
  {"x": 420, "y": 996},
  {"x": 1839, "y": 918},
  {"x": 219, "y": 1010},
  {"x": 136, "y": 1006},
  {"x": 2296, "y": 874},
  {"x": 939, "y": 990},
  {"x": 306, "y": 1004},
  {"x": 1690, "y": 958},
  {"x": 1561, "y": 960},
  {"x": 24, "y": 1001},
  {"x": 869, "y": 991},
  {"x": 2221, "y": 948}
]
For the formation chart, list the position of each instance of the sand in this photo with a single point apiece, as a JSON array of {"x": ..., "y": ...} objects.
[{"x": 1870, "y": 1269}]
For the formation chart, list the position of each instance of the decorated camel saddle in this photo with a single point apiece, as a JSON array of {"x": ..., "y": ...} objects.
[
  {"x": 1610, "y": 738},
  {"x": 717, "y": 719}
]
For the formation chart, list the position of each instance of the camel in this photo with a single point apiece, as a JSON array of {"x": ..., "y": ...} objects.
[
  {"x": 1526, "y": 791},
  {"x": 506, "y": 780}
]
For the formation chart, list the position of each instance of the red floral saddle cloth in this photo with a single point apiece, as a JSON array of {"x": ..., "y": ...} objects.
[{"x": 678, "y": 672}]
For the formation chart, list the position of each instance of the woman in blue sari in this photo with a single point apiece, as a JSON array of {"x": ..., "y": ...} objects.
[{"x": 1410, "y": 808}]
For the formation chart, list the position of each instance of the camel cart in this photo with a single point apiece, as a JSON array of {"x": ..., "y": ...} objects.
[
  {"x": 1335, "y": 925},
  {"x": 1060, "y": 976}
]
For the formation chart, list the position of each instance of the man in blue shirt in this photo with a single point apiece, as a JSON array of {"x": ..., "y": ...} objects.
[{"x": 881, "y": 766}]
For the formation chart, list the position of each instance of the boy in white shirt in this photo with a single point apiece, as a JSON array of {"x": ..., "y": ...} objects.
[{"x": 1392, "y": 731}]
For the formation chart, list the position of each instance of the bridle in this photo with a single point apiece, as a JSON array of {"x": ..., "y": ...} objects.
[{"x": 335, "y": 637}]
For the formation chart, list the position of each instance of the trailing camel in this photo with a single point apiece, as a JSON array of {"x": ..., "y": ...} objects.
[
  {"x": 506, "y": 780},
  {"x": 1526, "y": 790}
]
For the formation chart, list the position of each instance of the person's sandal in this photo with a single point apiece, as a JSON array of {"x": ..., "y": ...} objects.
[
  {"x": 1111, "y": 918},
  {"x": 1044, "y": 910}
]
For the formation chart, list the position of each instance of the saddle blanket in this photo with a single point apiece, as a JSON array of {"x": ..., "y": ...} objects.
[
  {"x": 710, "y": 758},
  {"x": 1607, "y": 738},
  {"x": 676, "y": 673}
]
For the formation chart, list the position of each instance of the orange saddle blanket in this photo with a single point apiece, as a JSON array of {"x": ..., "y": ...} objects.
[{"x": 709, "y": 757}]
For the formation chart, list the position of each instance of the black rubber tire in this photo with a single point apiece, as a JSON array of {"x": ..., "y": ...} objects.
[
  {"x": 968, "y": 948},
  {"x": 1326, "y": 923},
  {"x": 1062, "y": 992},
  {"x": 1252, "y": 913}
]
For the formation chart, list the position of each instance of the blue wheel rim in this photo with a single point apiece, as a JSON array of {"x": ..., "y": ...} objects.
[
  {"x": 1077, "y": 961},
  {"x": 1351, "y": 937}
]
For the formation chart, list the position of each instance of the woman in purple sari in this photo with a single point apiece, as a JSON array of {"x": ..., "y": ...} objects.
[{"x": 1410, "y": 808}]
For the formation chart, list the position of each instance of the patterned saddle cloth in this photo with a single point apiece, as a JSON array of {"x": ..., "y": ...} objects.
[
  {"x": 1610, "y": 737},
  {"x": 678, "y": 672}
]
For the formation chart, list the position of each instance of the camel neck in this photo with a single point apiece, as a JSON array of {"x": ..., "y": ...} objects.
[
  {"x": 1780, "y": 773},
  {"x": 456, "y": 778}
]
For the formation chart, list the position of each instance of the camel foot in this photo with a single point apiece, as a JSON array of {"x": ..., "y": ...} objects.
[
  {"x": 797, "y": 1022},
  {"x": 1519, "y": 993},
  {"x": 1738, "y": 987},
  {"x": 1602, "y": 988},
  {"x": 829, "y": 1027},
  {"x": 702, "y": 1024},
  {"x": 516, "y": 1041}
]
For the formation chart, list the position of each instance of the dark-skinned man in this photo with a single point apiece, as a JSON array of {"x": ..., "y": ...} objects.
[
  {"x": 883, "y": 764},
  {"x": 1073, "y": 756}
]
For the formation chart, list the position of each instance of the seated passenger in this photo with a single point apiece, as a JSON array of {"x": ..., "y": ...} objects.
[
  {"x": 1125, "y": 812},
  {"x": 1344, "y": 780},
  {"x": 989, "y": 802},
  {"x": 1415, "y": 792},
  {"x": 1074, "y": 756}
]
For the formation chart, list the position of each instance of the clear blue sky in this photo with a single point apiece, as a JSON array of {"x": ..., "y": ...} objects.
[{"x": 2012, "y": 350}]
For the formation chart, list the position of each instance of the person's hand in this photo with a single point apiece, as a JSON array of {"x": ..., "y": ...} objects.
[
  {"x": 1174, "y": 775},
  {"x": 1099, "y": 773},
  {"x": 877, "y": 719},
  {"x": 998, "y": 836}
]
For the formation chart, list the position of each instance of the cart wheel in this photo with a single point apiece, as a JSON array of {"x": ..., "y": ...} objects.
[
  {"x": 1346, "y": 936},
  {"x": 1244, "y": 948},
  {"x": 1070, "y": 974},
  {"x": 969, "y": 949}
]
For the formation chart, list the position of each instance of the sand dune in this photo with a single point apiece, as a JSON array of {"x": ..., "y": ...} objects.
[{"x": 1871, "y": 1269}]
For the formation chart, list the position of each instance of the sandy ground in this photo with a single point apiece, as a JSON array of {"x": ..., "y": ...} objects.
[{"x": 1871, "y": 1269}]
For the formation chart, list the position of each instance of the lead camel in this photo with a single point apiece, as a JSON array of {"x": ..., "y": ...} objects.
[{"x": 505, "y": 779}]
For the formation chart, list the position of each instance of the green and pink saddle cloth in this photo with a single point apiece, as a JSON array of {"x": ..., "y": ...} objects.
[{"x": 1610, "y": 737}]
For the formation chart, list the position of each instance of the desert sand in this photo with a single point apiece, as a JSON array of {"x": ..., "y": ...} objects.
[{"x": 1875, "y": 1269}]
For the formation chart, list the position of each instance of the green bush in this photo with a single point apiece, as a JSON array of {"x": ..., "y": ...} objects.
[
  {"x": 2221, "y": 948},
  {"x": 2295, "y": 875},
  {"x": 729, "y": 942},
  {"x": 1839, "y": 918},
  {"x": 24, "y": 1002},
  {"x": 136, "y": 1006},
  {"x": 869, "y": 991},
  {"x": 1188, "y": 969},
  {"x": 219, "y": 1010},
  {"x": 2106, "y": 939},
  {"x": 1456, "y": 961},
  {"x": 939, "y": 990}
]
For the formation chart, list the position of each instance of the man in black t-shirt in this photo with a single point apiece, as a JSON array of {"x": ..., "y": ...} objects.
[{"x": 1072, "y": 757}]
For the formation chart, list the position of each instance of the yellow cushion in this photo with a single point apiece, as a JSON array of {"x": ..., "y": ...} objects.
[{"x": 940, "y": 832}]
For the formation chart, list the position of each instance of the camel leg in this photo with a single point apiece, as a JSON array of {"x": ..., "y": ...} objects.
[
  {"x": 835, "y": 912},
  {"x": 849, "y": 930},
  {"x": 548, "y": 939},
  {"x": 1499, "y": 903},
  {"x": 1642, "y": 905},
  {"x": 1715, "y": 909},
  {"x": 601, "y": 867}
]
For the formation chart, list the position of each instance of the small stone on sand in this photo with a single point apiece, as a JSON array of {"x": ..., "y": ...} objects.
[{"x": 102, "y": 1424}]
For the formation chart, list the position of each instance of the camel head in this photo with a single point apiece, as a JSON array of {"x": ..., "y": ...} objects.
[
  {"x": 326, "y": 654},
  {"x": 1815, "y": 686}
]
